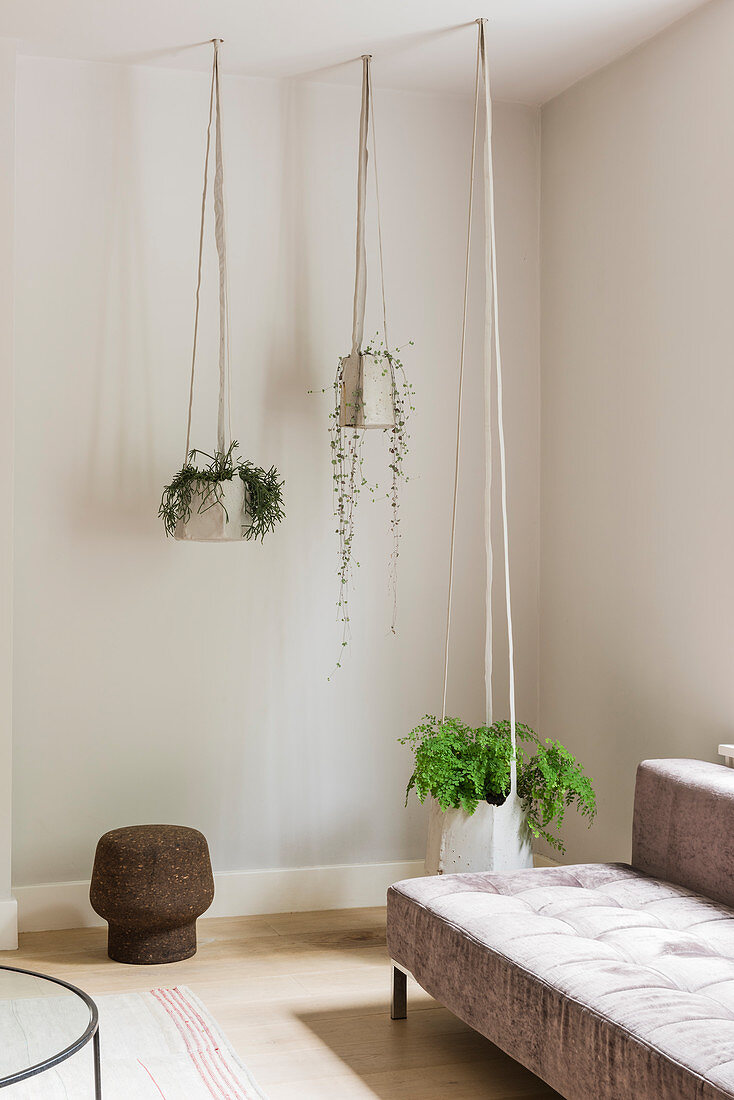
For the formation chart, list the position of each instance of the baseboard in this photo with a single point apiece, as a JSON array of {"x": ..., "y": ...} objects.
[
  {"x": 545, "y": 861},
  {"x": 55, "y": 905},
  {"x": 8, "y": 924}
]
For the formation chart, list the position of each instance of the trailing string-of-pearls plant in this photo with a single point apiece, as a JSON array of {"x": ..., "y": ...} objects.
[{"x": 371, "y": 390}]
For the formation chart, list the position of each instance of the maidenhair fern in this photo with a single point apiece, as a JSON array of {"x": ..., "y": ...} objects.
[
  {"x": 549, "y": 780},
  {"x": 461, "y": 766},
  {"x": 457, "y": 765}
]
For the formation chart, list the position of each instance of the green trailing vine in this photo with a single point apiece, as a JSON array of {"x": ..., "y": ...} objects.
[
  {"x": 264, "y": 491},
  {"x": 348, "y": 480},
  {"x": 460, "y": 766},
  {"x": 402, "y": 400}
]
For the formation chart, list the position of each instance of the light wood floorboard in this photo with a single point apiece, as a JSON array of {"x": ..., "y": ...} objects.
[{"x": 304, "y": 998}]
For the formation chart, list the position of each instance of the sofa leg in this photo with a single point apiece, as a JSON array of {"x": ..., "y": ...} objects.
[{"x": 399, "y": 1002}]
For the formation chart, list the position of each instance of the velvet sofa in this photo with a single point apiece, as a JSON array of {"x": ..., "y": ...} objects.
[{"x": 608, "y": 980}]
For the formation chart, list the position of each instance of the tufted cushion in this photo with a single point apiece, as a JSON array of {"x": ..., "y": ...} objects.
[{"x": 602, "y": 980}]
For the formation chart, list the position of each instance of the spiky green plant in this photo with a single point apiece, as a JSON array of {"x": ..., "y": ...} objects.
[{"x": 264, "y": 491}]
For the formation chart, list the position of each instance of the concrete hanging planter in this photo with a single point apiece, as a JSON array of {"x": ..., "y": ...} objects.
[
  {"x": 465, "y": 768},
  {"x": 367, "y": 382},
  {"x": 367, "y": 392},
  {"x": 458, "y": 769},
  {"x": 493, "y": 838},
  {"x": 216, "y": 514},
  {"x": 227, "y": 499},
  {"x": 371, "y": 391}
]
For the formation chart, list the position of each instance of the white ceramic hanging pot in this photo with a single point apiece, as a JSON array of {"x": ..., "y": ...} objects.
[
  {"x": 219, "y": 515},
  {"x": 493, "y": 838}
]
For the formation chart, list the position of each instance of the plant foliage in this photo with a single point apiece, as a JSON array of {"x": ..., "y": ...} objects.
[
  {"x": 264, "y": 491},
  {"x": 348, "y": 480},
  {"x": 549, "y": 780},
  {"x": 460, "y": 766},
  {"x": 457, "y": 765}
]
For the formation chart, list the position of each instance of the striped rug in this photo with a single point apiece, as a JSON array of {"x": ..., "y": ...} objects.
[{"x": 159, "y": 1045}]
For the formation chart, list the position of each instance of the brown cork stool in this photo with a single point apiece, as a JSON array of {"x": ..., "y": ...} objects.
[{"x": 150, "y": 883}]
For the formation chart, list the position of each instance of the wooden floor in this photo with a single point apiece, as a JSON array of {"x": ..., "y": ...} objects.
[{"x": 304, "y": 999}]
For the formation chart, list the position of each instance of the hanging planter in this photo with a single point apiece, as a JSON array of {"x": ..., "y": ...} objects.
[
  {"x": 366, "y": 382},
  {"x": 488, "y": 799},
  {"x": 371, "y": 391},
  {"x": 224, "y": 500},
  {"x": 227, "y": 498},
  {"x": 475, "y": 823},
  {"x": 493, "y": 838}
]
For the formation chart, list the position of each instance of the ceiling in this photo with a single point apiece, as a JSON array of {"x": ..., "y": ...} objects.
[{"x": 537, "y": 47}]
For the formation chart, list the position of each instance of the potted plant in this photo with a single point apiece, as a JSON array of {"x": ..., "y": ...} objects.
[
  {"x": 348, "y": 480},
  {"x": 371, "y": 393},
  {"x": 225, "y": 499},
  {"x": 477, "y": 823}
]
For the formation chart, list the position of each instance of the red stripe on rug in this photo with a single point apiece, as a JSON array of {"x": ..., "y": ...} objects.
[
  {"x": 209, "y": 1075},
  {"x": 160, "y": 1090},
  {"x": 206, "y": 1055},
  {"x": 190, "y": 1008},
  {"x": 226, "y": 1071},
  {"x": 217, "y": 1089}
]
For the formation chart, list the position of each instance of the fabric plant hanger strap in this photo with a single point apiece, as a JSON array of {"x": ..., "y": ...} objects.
[
  {"x": 495, "y": 837},
  {"x": 371, "y": 390},
  {"x": 492, "y": 358},
  {"x": 224, "y": 411},
  {"x": 224, "y": 498},
  {"x": 366, "y": 382},
  {"x": 219, "y": 511}
]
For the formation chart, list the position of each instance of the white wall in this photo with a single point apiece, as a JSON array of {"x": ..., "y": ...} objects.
[
  {"x": 8, "y": 921},
  {"x": 165, "y": 682},
  {"x": 637, "y": 524}
]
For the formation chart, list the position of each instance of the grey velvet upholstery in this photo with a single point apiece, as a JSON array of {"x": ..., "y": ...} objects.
[
  {"x": 683, "y": 827},
  {"x": 602, "y": 979}
]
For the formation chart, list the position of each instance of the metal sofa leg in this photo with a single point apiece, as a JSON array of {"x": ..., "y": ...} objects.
[{"x": 399, "y": 1002}]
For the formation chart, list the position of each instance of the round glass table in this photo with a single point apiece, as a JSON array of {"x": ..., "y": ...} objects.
[{"x": 43, "y": 1021}]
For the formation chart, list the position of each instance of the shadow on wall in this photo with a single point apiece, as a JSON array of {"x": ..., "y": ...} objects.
[
  {"x": 287, "y": 376},
  {"x": 120, "y": 467}
]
